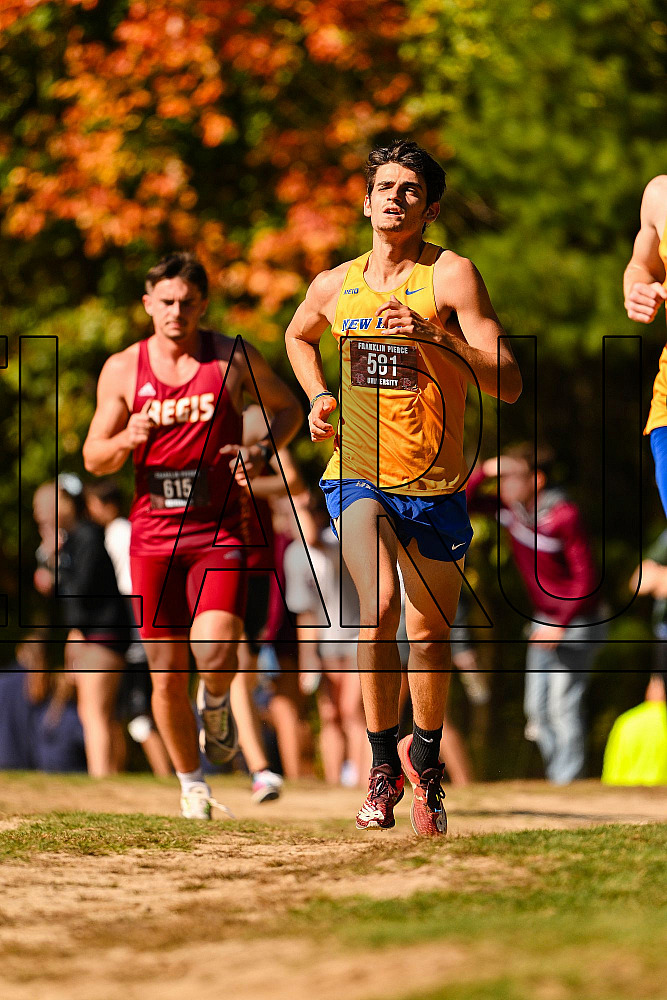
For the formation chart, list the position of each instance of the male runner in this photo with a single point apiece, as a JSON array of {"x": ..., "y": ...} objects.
[
  {"x": 174, "y": 401},
  {"x": 643, "y": 287},
  {"x": 413, "y": 323}
]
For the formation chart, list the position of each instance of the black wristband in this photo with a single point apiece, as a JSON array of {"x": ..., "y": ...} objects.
[{"x": 267, "y": 452}]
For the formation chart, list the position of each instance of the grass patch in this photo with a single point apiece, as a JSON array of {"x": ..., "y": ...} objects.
[
  {"x": 530, "y": 983},
  {"x": 605, "y": 883},
  {"x": 91, "y": 834},
  {"x": 494, "y": 989},
  {"x": 586, "y": 924}
]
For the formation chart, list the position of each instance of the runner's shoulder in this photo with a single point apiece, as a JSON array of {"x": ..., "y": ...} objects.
[
  {"x": 453, "y": 265},
  {"x": 223, "y": 346},
  {"x": 656, "y": 187},
  {"x": 119, "y": 367},
  {"x": 654, "y": 200},
  {"x": 453, "y": 273},
  {"x": 327, "y": 285}
]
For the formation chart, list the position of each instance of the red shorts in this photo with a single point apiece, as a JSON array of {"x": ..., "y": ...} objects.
[{"x": 174, "y": 590}]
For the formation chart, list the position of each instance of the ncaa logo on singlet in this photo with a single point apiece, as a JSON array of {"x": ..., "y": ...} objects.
[{"x": 351, "y": 291}]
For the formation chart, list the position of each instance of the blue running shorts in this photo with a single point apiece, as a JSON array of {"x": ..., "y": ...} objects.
[
  {"x": 658, "y": 439},
  {"x": 440, "y": 524}
]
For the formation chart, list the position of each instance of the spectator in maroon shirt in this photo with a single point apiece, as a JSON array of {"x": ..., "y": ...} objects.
[{"x": 562, "y": 583}]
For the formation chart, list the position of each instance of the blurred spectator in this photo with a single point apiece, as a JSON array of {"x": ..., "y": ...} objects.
[
  {"x": 636, "y": 751},
  {"x": 104, "y": 502},
  {"x": 260, "y": 558},
  {"x": 329, "y": 651},
  {"x": 554, "y": 558},
  {"x": 39, "y": 726},
  {"x": 465, "y": 659},
  {"x": 278, "y": 658},
  {"x": 453, "y": 750},
  {"x": 96, "y": 615}
]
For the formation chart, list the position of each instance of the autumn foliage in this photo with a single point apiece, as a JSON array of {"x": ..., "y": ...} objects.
[{"x": 235, "y": 129}]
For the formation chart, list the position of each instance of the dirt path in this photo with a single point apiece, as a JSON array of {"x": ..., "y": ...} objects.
[
  {"x": 164, "y": 925},
  {"x": 519, "y": 805}
]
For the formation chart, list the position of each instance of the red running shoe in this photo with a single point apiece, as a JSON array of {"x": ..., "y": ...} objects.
[
  {"x": 385, "y": 790},
  {"x": 427, "y": 812}
]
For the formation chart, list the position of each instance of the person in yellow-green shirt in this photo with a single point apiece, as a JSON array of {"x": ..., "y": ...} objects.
[
  {"x": 636, "y": 751},
  {"x": 414, "y": 326}
]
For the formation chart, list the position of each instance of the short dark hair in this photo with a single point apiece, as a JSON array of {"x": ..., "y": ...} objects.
[
  {"x": 106, "y": 491},
  {"x": 412, "y": 156},
  {"x": 543, "y": 461},
  {"x": 179, "y": 265}
]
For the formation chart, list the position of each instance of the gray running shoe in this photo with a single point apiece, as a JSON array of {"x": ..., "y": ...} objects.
[{"x": 218, "y": 739}]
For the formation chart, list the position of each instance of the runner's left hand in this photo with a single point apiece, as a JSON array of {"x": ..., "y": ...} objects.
[{"x": 253, "y": 459}]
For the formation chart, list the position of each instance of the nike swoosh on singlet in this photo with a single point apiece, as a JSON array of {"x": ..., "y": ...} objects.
[{"x": 415, "y": 290}]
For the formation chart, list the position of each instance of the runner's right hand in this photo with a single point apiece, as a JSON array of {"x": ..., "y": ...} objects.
[
  {"x": 644, "y": 301},
  {"x": 139, "y": 426},
  {"x": 320, "y": 429}
]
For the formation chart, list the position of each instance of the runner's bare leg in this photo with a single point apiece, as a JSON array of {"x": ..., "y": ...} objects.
[
  {"x": 214, "y": 639},
  {"x": 429, "y": 665},
  {"x": 168, "y": 661},
  {"x": 371, "y": 561}
]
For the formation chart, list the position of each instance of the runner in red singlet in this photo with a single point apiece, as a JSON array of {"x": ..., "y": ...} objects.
[{"x": 175, "y": 401}]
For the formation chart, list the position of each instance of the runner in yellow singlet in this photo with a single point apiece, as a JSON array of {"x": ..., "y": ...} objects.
[
  {"x": 414, "y": 325},
  {"x": 644, "y": 289}
]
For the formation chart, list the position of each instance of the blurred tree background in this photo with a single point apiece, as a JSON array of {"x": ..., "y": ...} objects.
[{"x": 239, "y": 130}]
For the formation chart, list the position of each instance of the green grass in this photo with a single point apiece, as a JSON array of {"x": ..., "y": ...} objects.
[
  {"x": 584, "y": 920},
  {"x": 610, "y": 878},
  {"x": 86, "y": 833},
  {"x": 89, "y": 834},
  {"x": 495, "y": 989}
]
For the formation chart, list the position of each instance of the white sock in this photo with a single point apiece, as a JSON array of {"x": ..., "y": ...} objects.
[
  {"x": 213, "y": 700},
  {"x": 189, "y": 778}
]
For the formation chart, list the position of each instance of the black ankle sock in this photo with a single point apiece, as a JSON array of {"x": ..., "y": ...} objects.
[
  {"x": 383, "y": 745},
  {"x": 425, "y": 748}
]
